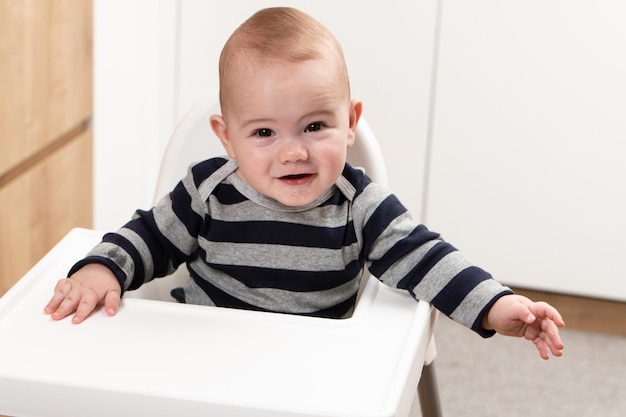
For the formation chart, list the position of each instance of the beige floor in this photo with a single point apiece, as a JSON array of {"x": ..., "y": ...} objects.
[{"x": 504, "y": 376}]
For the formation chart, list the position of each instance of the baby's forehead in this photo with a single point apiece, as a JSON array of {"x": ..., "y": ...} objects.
[
  {"x": 242, "y": 64},
  {"x": 241, "y": 102},
  {"x": 269, "y": 54}
]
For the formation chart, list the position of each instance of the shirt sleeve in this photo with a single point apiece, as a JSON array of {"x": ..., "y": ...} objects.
[
  {"x": 409, "y": 256},
  {"x": 156, "y": 241}
]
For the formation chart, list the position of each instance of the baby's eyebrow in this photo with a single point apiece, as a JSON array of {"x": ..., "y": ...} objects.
[
  {"x": 318, "y": 114},
  {"x": 258, "y": 121}
]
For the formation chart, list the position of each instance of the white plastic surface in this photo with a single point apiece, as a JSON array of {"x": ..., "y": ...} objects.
[{"x": 211, "y": 361}]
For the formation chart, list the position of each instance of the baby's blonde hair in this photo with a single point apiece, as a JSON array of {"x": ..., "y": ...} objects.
[{"x": 274, "y": 35}]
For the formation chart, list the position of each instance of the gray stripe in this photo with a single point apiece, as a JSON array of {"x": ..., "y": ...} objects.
[
  {"x": 398, "y": 229},
  {"x": 467, "y": 311},
  {"x": 207, "y": 186},
  {"x": 346, "y": 187},
  {"x": 366, "y": 203},
  {"x": 440, "y": 275},
  {"x": 326, "y": 216},
  {"x": 196, "y": 295},
  {"x": 401, "y": 269},
  {"x": 280, "y": 256},
  {"x": 172, "y": 228},
  {"x": 142, "y": 248},
  {"x": 197, "y": 203},
  {"x": 119, "y": 256}
]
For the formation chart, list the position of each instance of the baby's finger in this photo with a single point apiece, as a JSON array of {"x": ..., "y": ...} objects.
[
  {"x": 525, "y": 314},
  {"x": 551, "y": 330},
  {"x": 111, "y": 302},
  {"x": 88, "y": 301},
  {"x": 544, "y": 343},
  {"x": 60, "y": 291},
  {"x": 69, "y": 303},
  {"x": 545, "y": 310},
  {"x": 542, "y": 347},
  {"x": 554, "y": 349}
]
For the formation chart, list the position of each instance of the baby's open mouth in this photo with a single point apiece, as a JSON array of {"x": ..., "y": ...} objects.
[{"x": 295, "y": 177}]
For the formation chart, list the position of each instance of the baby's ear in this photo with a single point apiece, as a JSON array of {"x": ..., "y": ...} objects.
[
  {"x": 356, "y": 108},
  {"x": 219, "y": 128}
]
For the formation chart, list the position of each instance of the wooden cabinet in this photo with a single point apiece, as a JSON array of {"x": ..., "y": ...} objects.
[{"x": 45, "y": 133}]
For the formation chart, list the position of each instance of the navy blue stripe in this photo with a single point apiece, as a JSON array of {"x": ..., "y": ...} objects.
[
  {"x": 449, "y": 298},
  {"x": 161, "y": 249},
  {"x": 219, "y": 297},
  {"x": 203, "y": 170},
  {"x": 418, "y": 236},
  {"x": 432, "y": 257},
  {"x": 181, "y": 206},
  {"x": 273, "y": 232},
  {"x": 120, "y": 275},
  {"x": 227, "y": 194},
  {"x": 297, "y": 281},
  {"x": 385, "y": 213},
  {"x": 477, "y": 326},
  {"x": 223, "y": 299},
  {"x": 337, "y": 199},
  {"x": 357, "y": 178},
  {"x": 123, "y": 243}
]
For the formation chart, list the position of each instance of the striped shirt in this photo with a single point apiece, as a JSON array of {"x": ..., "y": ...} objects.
[{"x": 245, "y": 250}]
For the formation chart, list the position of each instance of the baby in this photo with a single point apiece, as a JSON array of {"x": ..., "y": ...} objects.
[{"x": 284, "y": 224}]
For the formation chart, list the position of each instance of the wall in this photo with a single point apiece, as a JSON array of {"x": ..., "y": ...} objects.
[
  {"x": 527, "y": 164},
  {"x": 134, "y": 100}
]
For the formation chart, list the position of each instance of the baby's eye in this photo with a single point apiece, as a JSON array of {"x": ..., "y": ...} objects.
[
  {"x": 264, "y": 132},
  {"x": 313, "y": 127}
]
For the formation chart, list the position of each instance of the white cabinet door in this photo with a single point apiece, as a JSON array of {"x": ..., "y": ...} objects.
[{"x": 528, "y": 175}]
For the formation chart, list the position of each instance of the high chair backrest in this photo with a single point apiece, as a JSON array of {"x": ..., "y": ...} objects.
[{"x": 193, "y": 141}]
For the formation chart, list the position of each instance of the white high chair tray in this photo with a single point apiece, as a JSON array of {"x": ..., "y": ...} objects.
[{"x": 166, "y": 359}]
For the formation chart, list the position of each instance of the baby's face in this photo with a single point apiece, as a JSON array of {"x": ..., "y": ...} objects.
[{"x": 289, "y": 126}]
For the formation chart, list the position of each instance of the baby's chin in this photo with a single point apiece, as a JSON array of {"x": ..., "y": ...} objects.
[{"x": 299, "y": 197}]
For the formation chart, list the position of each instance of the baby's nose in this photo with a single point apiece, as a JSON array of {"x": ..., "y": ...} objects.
[{"x": 293, "y": 150}]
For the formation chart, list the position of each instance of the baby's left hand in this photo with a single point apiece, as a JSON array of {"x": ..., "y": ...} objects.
[{"x": 516, "y": 315}]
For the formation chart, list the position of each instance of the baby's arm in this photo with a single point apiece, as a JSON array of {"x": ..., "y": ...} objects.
[
  {"x": 91, "y": 285},
  {"x": 515, "y": 315}
]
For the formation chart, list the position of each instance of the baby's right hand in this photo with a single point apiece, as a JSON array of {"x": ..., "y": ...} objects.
[{"x": 88, "y": 287}]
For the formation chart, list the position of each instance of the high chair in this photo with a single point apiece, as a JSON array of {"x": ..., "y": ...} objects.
[{"x": 161, "y": 359}]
